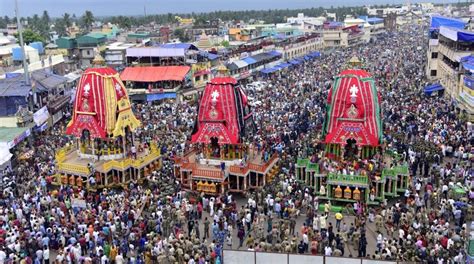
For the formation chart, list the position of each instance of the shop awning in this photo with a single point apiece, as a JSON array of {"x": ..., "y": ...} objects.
[
  {"x": 160, "y": 96},
  {"x": 457, "y": 34},
  {"x": 314, "y": 54},
  {"x": 13, "y": 135},
  {"x": 283, "y": 65},
  {"x": 433, "y": 88},
  {"x": 269, "y": 70},
  {"x": 155, "y": 73},
  {"x": 295, "y": 62},
  {"x": 468, "y": 63}
]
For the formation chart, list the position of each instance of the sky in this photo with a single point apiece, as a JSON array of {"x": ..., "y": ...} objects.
[{"x": 136, "y": 7}]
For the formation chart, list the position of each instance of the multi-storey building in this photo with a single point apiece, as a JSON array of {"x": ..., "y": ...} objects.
[
  {"x": 454, "y": 48},
  {"x": 432, "y": 52},
  {"x": 300, "y": 46}
]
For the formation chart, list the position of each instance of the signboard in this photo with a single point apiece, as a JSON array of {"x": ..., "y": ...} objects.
[
  {"x": 78, "y": 203},
  {"x": 155, "y": 91},
  {"x": 468, "y": 82},
  {"x": 57, "y": 116},
  {"x": 41, "y": 116},
  {"x": 19, "y": 138}
]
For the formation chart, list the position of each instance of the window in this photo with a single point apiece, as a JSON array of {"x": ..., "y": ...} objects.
[
  {"x": 434, "y": 55},
  {"x": 433, "y": 73}
]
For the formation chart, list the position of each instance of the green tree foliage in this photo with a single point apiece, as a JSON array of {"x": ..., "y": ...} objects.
[
  {"x": 268, "y": 16},
  {"x": 62, "y": 24},
  {"x": 87, "y": 20},
  {"x": 67, "y": 20},
  {"x": 225, "y": 43},
  {"x": 179, "y": 33},
  {"x": 4, "y": 21},
  {"x": 30, "y": 36}
]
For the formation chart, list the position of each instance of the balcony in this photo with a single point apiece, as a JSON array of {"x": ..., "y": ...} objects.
[
  {"x": 452, "y": 54},
  {"x": 208, "y": 174},
  {"x": 355, "y": 35},
  {"x": 348, "y": 180}
]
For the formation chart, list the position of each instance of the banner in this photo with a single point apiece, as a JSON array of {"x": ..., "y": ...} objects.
[
  {"x": 78, "y": 203},
  {"x": 41, "y": 116},
  {"x": 469, "y": 82},
  {"x": 19, "y": 138}
]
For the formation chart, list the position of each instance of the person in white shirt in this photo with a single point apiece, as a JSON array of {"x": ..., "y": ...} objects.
[
  {"x": 401, "y": 236},
  {"x": 119, "y": 258},
  {"x": 39, "y": 255},
  {"x": 328, "y": 251},
  {"x": 60, "y": 258},
  {"x": 3, "y": 256},
  {"x": 104, "y": 260},
  {"x": 45, "y": 255}
]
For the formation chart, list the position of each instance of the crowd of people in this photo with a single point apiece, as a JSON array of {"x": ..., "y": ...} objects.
[{"x": 158, "y": 222}]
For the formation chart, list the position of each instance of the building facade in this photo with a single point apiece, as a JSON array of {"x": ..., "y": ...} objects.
[
  {"x": 455, "y": 45},
  {"x": 298, "y": 47}
]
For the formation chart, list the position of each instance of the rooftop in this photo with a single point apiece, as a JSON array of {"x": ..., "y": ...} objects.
[{"x": 7, "y": 134}]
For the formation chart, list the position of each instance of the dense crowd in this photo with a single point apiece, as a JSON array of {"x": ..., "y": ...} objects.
[{"x": 158, "y": 222}]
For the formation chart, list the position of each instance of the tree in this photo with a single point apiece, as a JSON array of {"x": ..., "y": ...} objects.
[
  {"x": 67, "y": 20},
  {"x": 62, "y": 24},
  {"x": 44, "y": 25},
  {"x": 60, "y": 27},
  {"x": 87, "y": 20},
  {"x": 30, "y": 36},
  {"x": 225, "y": 44},
  {"x": 45, "y": 18},
  {"x": 124, "y": 22},
  {"x": 179, "y": 33}
]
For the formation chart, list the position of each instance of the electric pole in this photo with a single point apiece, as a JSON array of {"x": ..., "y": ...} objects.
[{"x": 22, "y": 44}]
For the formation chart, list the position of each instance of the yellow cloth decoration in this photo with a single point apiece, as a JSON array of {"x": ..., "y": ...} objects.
[
  {"x": 125, "y": 118},
  {"x": 338, "y": 192},
  {"x": 347, "y": 193},
  {"x": 356, "y": 194},
  {"x": 110, "y": 104}
]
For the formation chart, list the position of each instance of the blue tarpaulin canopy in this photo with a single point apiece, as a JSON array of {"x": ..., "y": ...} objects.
[
  {"x": 160, "y": 96},
  {"x": 468, "y": 63},
  {"x": 210, "y": 56},
  {"x": 294, "y": 62},
  {"x": 274, "y": 53},
  {"x": 269, "y": 70},
  {"x": 283, "y": 65},
  {"x": 249, "y": 60},
  {"x": 438, "y": 21},
  {"x": 314, "y": 54},
  {"x": 457, "y": 34},
  {"x": 433, "y": 88}
]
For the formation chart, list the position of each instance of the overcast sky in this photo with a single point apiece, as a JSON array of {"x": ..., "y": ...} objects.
[{"x": 136, "y": 7}]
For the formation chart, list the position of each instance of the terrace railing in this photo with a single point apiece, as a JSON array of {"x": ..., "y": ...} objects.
[{"x": 351, "y": 179}]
